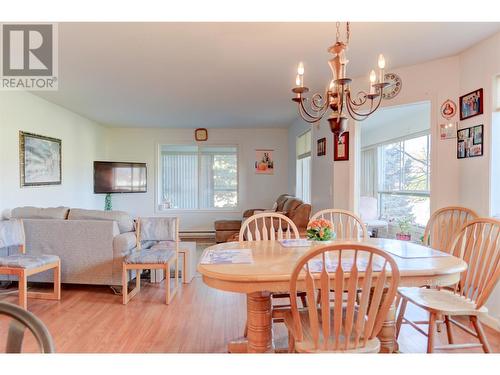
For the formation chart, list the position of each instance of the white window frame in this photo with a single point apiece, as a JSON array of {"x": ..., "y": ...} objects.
[
  {"x": 421, "y": 193},
  {"x": 158, "y": 175},
  {"x": 303, "y": 156}
]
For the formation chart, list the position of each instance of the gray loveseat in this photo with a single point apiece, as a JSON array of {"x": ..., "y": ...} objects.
[{"x": 90, "y": 243}]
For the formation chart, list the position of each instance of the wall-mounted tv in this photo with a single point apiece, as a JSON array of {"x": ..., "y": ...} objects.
[{"x": 119, "y": 177}]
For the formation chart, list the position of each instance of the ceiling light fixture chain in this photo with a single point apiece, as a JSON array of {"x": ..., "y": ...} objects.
[{"x": 338, "y": 95}]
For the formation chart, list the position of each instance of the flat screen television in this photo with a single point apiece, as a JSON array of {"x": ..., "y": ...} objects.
[{"x": 119, "y": 177}]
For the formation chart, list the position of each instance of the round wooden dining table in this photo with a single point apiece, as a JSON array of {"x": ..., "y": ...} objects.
[{"x": 271, "y": 268}]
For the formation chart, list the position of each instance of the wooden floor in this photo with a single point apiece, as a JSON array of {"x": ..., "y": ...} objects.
[{"x": 91, "y": 319}]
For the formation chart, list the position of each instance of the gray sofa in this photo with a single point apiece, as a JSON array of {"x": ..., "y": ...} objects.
[{"x": 91, "y": 244}]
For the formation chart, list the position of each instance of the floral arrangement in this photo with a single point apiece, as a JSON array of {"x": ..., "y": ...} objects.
[{"x": 320, "y": 230}]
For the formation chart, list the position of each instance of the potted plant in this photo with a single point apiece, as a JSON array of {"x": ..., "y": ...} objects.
[
  {"x": 320, "y": 230},
  {"x": 405, "y": 224}
]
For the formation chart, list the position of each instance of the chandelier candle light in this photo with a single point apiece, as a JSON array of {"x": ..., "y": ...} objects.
[{"x": 338, "y": 96}]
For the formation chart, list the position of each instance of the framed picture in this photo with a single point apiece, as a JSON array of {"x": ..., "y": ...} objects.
[
  {"x": 448, "y": 131},
  {"x": 471, "y": 104},
  {"x": 39, "y": 160},
  {"x": 264, "y": 162},
  {"x": 321, "y": 147},
  {"x": 470, "y": 142},
  {"x": 341, "y": 147},
  {"x": 448, "y": 109}
]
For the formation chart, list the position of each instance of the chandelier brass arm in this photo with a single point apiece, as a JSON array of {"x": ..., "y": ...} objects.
[{"x": 338, "y": 96}]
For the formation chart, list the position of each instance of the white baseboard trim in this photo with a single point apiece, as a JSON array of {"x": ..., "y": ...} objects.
[{"x": 490, "y": 321}]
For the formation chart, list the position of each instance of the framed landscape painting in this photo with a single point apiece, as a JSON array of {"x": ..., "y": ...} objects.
[{"x": 39, "y": 160}]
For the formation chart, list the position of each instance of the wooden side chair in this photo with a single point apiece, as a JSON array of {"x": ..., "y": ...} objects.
[
  {"x": 444, "y": 224},
  {"x": 22, "y": 319},
  {"x": 478, "y": 244},
  {"x": 270, "y": 226},
  {"x": 364, "y": 280},
  {"x": 440, "y": 232},
  {"x": 347, "y": 225},
  {"x": 23, "y": 265},
  {"x": 164, "y": 229}
]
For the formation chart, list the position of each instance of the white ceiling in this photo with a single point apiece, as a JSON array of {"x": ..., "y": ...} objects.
[{"x": 225, "y": 74}]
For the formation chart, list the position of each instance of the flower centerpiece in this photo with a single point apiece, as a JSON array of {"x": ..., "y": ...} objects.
[{"x": 320, "y": 230}]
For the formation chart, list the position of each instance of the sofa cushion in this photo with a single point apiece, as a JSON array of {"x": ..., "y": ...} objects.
[
  {"x": 125, "y": 222},
  {"x": 30, "y": 212}
]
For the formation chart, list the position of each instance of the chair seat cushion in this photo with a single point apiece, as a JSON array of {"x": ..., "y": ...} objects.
[
  {"x": 164, "y": 245},
  {"x": 307, "y": 344},
  {"x": 441, "y": 301},
  {"x": 27, "y": 261},
  {"x": 149, "y": 256}
]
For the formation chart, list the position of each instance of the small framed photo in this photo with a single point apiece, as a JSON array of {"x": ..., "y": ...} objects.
[
  {"x": 341, "y": 147},
  {"x": 448, "y": 109},
  {"x": 264, "y": 162},
  {"x": 463, "y": 134},
  {"x": 471, "y": 104},
  {"x": 461, "y": 149},
  {"x": 477, "y": 134},
  {"x": 321, "y": 147},
  {"x": 470, "y": 142}
]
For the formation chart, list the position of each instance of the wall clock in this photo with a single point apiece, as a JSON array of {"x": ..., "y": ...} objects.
[
  {"x": 201, "y": 134},
  {"x": 395, "y": 84}
]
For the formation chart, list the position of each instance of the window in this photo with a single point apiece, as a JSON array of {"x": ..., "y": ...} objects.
[
  {"x": 404, "y": 179},
  {"x": 303, "y": 182},
  {"x": 198, "y": 177}
]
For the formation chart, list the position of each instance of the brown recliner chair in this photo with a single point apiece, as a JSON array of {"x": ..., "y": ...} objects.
[{"x": 294, "y": 208}]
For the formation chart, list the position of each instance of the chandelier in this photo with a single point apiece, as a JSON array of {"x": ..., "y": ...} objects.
[{"x": 338, "y": 97}]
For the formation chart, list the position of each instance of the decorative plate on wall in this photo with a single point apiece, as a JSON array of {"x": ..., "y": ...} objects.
[{"x": 395, "y": 85}]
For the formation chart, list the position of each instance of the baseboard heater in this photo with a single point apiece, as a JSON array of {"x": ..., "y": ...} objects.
[{"x": 197, "y": 234}]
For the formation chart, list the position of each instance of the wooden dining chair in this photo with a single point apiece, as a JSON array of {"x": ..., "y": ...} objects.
[
  {"x": 440, "y": 232},
  {"x": 444, "y": 224},
  {"x": 346, "y": 224},
  {"x": 166, "y": 230},
  {"x": 271, "y": 226},
  {"x": 268, "y": 226},
  {"x": 22, "y": 265},
  {"x": 478, "y": 244},
  {"x": 22, "y": 319},
  {"x": 364, "y": 280}
]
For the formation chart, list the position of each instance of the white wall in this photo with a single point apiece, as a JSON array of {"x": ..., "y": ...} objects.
[
  {"x": 82, "y": 143},
  {"x": 478, "y": 67},
  {"x": 255, "y": 191},
  {"x": 390, "y": 123}
]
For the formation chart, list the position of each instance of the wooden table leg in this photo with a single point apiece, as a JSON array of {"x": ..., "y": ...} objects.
[
  {"x": 387, "y": 335},
  {"x": 259, "y": 313}
]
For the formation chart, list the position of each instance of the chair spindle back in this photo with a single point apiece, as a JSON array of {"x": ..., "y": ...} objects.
[
  {"x": 443, "y": 226},
  {"x": 364, "y": 281},
  {"x": 268, "y": 226},
  {"x": 346, "y": 224}
]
